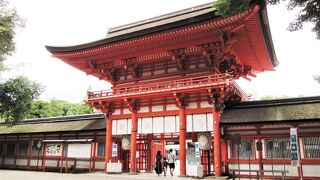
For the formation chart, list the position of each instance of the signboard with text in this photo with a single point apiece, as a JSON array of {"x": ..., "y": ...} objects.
[
  {"x": 294, "y": 147},
  {"x": 197, "y": 150},
  {"x": 114, "y": 150}
]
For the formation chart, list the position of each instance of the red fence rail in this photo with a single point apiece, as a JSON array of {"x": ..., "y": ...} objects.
[{"x": 164, "y": 86}]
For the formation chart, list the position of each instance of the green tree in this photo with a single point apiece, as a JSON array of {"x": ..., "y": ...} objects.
[
  {"x": 54, "y": 108},
  {"x": 9, "y": 22},
  {"x": 310, "y": 11},
  {"x": 16, "y": 97}
]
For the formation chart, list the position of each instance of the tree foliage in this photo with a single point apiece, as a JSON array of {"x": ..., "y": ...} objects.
[
  {"x": 309, "y": 11},
  {"x": 9, "y": 22},
  {"x": 16, "y": 97},
  {"x": 54, "y": 108}
]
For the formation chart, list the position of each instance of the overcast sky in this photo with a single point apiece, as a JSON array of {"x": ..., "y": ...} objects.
[{"x": 70, "y": 22}]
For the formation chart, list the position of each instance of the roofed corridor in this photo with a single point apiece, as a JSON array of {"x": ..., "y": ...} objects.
[{"x": 181, "y": 85}]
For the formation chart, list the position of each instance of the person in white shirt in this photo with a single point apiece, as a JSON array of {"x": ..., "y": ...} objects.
[{"x": 171, "y": 160}]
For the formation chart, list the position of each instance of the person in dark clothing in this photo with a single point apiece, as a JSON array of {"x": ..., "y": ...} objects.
[{"x": 158, "y": 167}]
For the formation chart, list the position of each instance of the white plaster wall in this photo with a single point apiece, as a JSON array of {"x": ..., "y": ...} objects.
[
  {"x": 311, "y": 170},
  {"x": 99, "y": 165},
  {"x": 122, "y": 126},
  {"x": 34, "y": 162},
  {"x": 189, "y": 123},
  {"x": 51, "y": 163},
  {"x": 126, "y": 111},
  {"x": 205, "y": 104},
  {"x": 171, "y": 107},
  {"x": 146, "y": 74},
  {"x": 244, "y": 167},
  {"x": 177, "y": 123},
  {"x": 157, "y": 108},
  {"x": 82, "y": 164},
  {"x": 172, "y": 70},
  {"x": 192, "y": 105},
  {"x": 199, "y": 122},
  {"x": 209, "y": 122},
  {"x": 159, "y": 72},
  {"x": 169, "y": 123},
  {"x": 114, "y": 127},
  {"x": 158, "y": 125},
  {"x": 293, "y": 170},
  {"x": 8, "y": 161},
  {"x": 79, "y": 150},
  {"x": 143, "y": 109},
  {"x": 192, "y": 66},
  {"x": 22, "y": 162},
  {"x": 129, "y": 126},
  {"x": 139, "y": 126},
  {"x": 116, "y": 112},
  {"x": 146, "y": 125}
]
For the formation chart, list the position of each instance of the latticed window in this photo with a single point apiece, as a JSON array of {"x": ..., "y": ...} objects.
[
  {"x": 23, "y": 149},
  {"x": 101, "y": 149},
  {"x": 312, "y": 147},
  {"x": 246, "y": 149},
  {"x": 10, "y": 149},
  {"x": 278, "y": 148}
]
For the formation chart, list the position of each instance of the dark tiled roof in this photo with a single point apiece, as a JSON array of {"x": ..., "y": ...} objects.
[
  {"x": 56, "y": 124},
  {"x": 294, "y": 109}
]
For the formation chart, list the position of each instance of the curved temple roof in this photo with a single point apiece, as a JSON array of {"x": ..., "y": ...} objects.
[{"x": 186, "y": 28}]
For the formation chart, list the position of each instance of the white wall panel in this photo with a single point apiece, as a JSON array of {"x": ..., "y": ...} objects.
[
  {"x": 199, "y": 122},
  {"x": 177, "y": 123},
  {"x": 158, "y": 125},
  {"x": 126, "y": 111},
  {"x": 171, "y": 107},
  {"x": 146, "y": 125},
  {"x": 79, "y": 150},
  {"x": 8, "y": 161},
  {"x": 192, "y": 105},
  {"x": 311, "y": 170},
  {"x": 114, "y": 127},
  {"x": 143, "y": 109},
  {"x": 51, "y": 163},
  {"x": 122, "y": 126},
  {"x": 83, "y": 164},
  {"x": 22, "y": 162},
  {"x": 169, "y": 123},
  {"x": 205, "y": 104},
  {"x": 292, "y": 169},
  {"x": 34, "y": 162},
  {"x": 157, "y": 108},
  {"x": 129, "y": 126},
  {"x": 209, "y": 122},
  {"x": 139, "y": 125},
  {"x": 189, "y": 123},
  {"x": 117, "y": 112}
]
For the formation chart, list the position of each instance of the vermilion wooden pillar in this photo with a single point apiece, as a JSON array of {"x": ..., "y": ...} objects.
[
  {"x": 133, "y": 148},
  {"x": 108, "y": 140},
  {"x": 224, "y": 156},
  {"x": 182, "y": 141},
  {"x": 149, "y": 152},
  {"x": 216, "y": 142}
]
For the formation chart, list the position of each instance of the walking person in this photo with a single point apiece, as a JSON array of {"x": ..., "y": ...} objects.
[
  {"x": 171, "y": 161},
  {"x": 165, "y": 166},
  {"x": 158, "y": 167}
]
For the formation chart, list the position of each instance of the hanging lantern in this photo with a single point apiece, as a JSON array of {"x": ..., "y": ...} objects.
[
  {"x": 125, "y": 143},
  {"x": 205, "y": 141}
]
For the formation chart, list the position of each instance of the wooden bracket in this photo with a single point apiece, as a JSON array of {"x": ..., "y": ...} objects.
[
  {"x": 132, "y": 104},
  {"x": 181, "y": 100},
  {"x": 132, "y": 66},
  {"x": 105, "y": 107},
  {"x": 180, "y": 58}
]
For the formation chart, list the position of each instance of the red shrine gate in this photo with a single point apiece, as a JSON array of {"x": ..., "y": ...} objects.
[{"x": 171, "y": 75}]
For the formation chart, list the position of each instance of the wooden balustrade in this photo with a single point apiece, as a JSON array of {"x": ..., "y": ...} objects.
[{"x": 175, "y": 85}]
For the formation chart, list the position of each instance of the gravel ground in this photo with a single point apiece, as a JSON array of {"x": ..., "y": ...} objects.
[{"x": 35, "y": 175}]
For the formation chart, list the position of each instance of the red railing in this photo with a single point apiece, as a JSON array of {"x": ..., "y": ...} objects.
[{"x": 174, "y": 85}]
